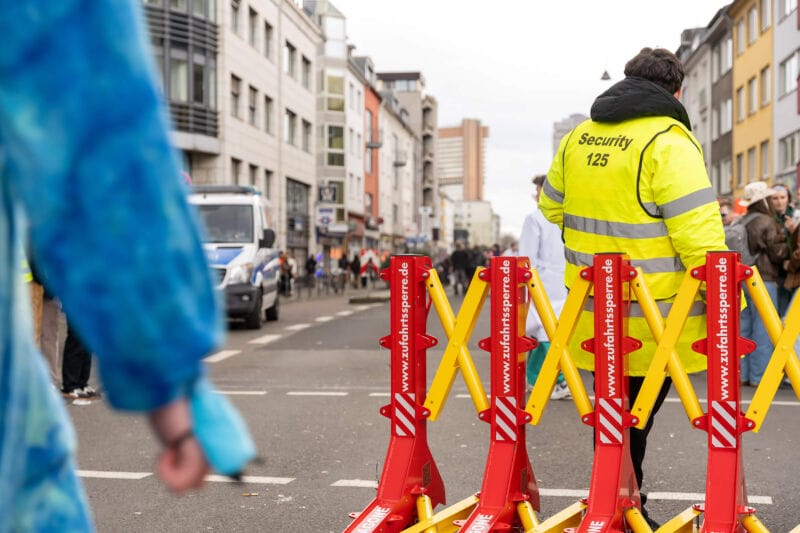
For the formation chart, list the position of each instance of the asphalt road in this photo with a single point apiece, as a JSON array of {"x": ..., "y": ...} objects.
[{"x": 310, "y": 387}]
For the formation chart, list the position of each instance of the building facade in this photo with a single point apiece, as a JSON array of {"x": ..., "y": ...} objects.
[
  {"x": 785, "y": 94},
  {"x": 461, "y": 159},
  {"x": 239, "y": 79},
  {"x": 752, "y": 98}
]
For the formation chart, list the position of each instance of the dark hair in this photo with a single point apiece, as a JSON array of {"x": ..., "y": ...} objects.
[
  {"x": 659, "y": 66},
  {"x": 761, "y": 206},
  {"x": 539, "y": 180}
]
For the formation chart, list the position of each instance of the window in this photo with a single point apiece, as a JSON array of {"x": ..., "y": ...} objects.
[
  {"x": 267, "y": 183},
  {"x": 714, "y": 124},
  {"x": 766, "y": 14},
  {"x": 751, "y": 165},
  {"x": 306, "y": 72},
  {"x": 764, "y": 86},
  {"x": 178, "y": 5},
  {"x": 725, "y": 176},
  {"x": 787, "y": 6},
  {"x": 752, "y": 90},
  {"x": 726, "y": 116},
  {"x": 726, "y": 56},
  {"x": 236, "y": 167},
  {"x": 289, "y": 53},
  {"x": 764, "y": 154},
  {"x": 235, "y": 16},
  {"x": 787, "y": 75},
  {"x": 740, "y": 104},
  {"x": 252, "y": 30},
  {"x": 252, "y": 106},
  {"x": 740, "y": 37},
  {"x": 267, "y": 114},
  {"x": 368, "y": 160},
  {"x": 178, "y": 75},
  {"x": 335, "y": 90},
  {"x": 335, "y": 146},
  {"x": 788, "y": 153},
  {"x": 351, "y": 95},
  {"x": 306, "y": 143},
  {"x": 739, "y": 170},
  {"x": 236, "y": 84},
  {"x": 268, "y": 39},
  {"x": 203, "y": 9},
  {"x": 198, "y": 79},
  {"x": 289, "y": 127},
  {"x": 752, "y": 25}
]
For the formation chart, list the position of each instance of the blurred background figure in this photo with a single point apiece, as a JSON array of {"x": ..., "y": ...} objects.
[
  {"x": 784, "y": 212},
  {"x": 726, "y": 211}
]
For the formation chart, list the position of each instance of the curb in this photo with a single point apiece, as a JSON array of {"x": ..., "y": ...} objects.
[{"x": 371, "y": 297}]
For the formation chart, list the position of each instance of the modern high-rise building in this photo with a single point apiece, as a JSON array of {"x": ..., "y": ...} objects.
[{"x": 461, "y": 159}]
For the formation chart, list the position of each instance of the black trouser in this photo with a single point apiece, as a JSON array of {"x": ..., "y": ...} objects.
[
  {"x": 76, "y": 364},
  {"x": 638, "y": 437}
]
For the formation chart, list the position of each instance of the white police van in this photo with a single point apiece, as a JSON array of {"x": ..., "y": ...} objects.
[{"x": 239, "y": 244}]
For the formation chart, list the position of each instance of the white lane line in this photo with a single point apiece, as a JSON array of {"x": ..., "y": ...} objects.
[
  {"x": 265, "y": 480},
  {"x": 675, "y": 496},
  {"x": 265, "y": 339},
  {"x": 346, "y": 312},
  {"x": 362, "y": 307},
  {"x": 298, "y": 327},
  {"x": 359, "y": 483},
  {"x": 316, "y": 393},
  {"x": 324, "y": 318},
  {"x": 380, "y": 394},
  {"x": 243, "y": 392},
  {"x": 221, "y": 355},
  {"x": 113, "y": 475}
]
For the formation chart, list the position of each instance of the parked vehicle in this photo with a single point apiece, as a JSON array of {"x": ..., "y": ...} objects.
[{"x": 239, "y": 244}]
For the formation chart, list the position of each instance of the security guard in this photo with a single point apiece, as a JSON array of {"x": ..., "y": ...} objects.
[{"x": 632, "y": 180}]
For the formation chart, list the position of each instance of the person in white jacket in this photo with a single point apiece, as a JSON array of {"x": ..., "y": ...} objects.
[{"x": 540, "y": 241}]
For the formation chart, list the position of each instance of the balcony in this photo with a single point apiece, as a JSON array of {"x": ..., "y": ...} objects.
[
  {"x": 191, "y": 118},
  {"x": 400, "y": 158},
  {"x": 374, "y": 138}
]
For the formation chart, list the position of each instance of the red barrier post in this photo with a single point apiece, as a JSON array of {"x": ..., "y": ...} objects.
[
  {"x": 508, "y": 479},
  {"x": 726, "y": 496},
  {"x": 409, "y": 470},
  {"x": 613, "y": 486}
]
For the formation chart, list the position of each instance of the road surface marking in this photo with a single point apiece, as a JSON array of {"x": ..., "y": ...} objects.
[
  {"x": 316, "y": 393},
  {"x": 346, "y": 312},
  {"x": 298, "y": 327},
  {"x": 323, "y": 318},
  {"x": 360, "y": 483},
  {"x": 113, "y": 475},
  {"x": 221, "y": 355},
  {"x": 265, "y": 339},
  {"x": 380, "y": 394},
  {"x": 265, "y": 480},
  {"x": 243, "y": 392},
  {"x": 362, "y": 307}
]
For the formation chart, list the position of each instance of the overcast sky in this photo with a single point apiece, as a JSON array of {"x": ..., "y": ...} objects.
[{"x": 517, "y": 65}]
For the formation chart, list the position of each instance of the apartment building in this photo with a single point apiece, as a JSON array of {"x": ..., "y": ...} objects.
[
  {"x": 786, "y": 97},
  {"x": 562, "y": 127},
  {"x": 719, "y": 38},
  {"x": 752, "y": 100},
  {"x": 409, "y": 88},
  {"x": 399, "y": 230},
  {"x": 373, "y": 141},
  {"x": 340, "y": 115},
  {"x": 239, "y": 79}
]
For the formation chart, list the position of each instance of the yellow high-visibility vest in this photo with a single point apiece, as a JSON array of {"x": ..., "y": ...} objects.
[{"x": 637, "y": 187}]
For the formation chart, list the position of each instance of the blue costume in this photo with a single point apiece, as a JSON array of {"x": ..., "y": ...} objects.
[{"x": 88, "y": 176}]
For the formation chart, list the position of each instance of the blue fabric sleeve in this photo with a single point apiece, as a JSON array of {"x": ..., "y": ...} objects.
[{"x": 87, "y": 151}]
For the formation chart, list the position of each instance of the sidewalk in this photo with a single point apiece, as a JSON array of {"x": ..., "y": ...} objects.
[{"x": 375, "y": 293}]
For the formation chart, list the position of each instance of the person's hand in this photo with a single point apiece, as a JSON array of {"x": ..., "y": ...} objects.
[
  {"x": 790, "y": 223},
  {"x": 181, "y": 464}
]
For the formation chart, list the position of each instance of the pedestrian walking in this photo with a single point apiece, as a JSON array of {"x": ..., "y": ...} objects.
[
  {"x": 656, "y": 205},
  {"x": 90, "y": 176},
  {"x": 355, "y": 270},
  {"x": 460, "y": 262},
  {"x": 76, "y": 368}
]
